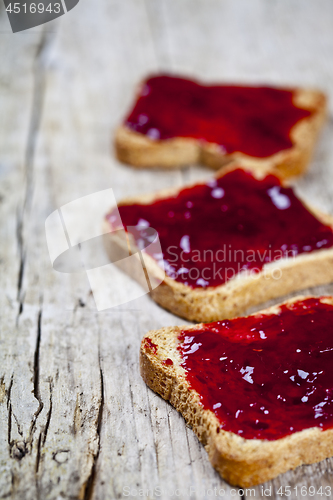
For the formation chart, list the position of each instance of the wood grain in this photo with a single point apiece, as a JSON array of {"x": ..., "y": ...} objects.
[{"x": 76, "y": 420}]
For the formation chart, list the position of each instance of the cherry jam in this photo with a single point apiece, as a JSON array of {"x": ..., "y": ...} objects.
[
  {"x": 265, "y": 376},
  {"x": 256, "y": 121},
  {"x": 211, "y": 232}
]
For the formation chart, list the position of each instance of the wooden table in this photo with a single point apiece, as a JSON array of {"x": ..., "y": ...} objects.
[{"x": 76, "y": 420}]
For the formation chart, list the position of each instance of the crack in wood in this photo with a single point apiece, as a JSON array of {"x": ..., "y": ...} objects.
[
  {"x": 38, "y": 455},
  {"x": 77, "y": 415},
  {"x": 19, "y": 449},
  {"x": 49, "y": 413},
  {"x": 35, "y": 120},
  {"x": 36, "y": 359},
  {"x": 36, "y": 390},
  {"x": 42, "y": 436},
  {"x": 2, "y": 389},
  {"x": 22, "y": 255},
  {"x": 41, "y": 442},
  {"x": 9, "y": 408},
  {"x": 19, "y": 430},
  {"x": 89, "y": 487}
]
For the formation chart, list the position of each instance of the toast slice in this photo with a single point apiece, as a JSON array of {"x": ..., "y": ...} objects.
[
  {"x": 176, "y": 122},
  {"x": 256, "y": 390},
  {"x": 235, "y": 285}
]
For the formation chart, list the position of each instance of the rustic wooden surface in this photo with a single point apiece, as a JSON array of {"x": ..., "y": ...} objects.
[{"x": 76, "y": 420}]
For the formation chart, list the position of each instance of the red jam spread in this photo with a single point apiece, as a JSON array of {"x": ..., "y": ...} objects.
[
  {"x": 211, "y": 232},
  {"x": 150, "y": 345},
  {"x": 265, "y": 377},
  {"x": 168, "y": 362},
  {"x": 253, "y": 120}
]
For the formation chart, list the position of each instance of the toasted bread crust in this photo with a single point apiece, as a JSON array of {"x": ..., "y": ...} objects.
[
  {"x": 140, "y": 151},
  {"x": 241, "y": 462},
  {"x": 233, "y": 298}
]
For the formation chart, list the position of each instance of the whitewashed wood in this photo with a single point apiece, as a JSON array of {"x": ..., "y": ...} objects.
[{"x": 82, "y": 422}]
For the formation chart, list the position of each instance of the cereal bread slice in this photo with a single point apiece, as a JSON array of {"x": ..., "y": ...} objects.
[
  {"x": 245, "y": 289},
  {"x": 142, "y": 144},
  {"x": 287, "y": 386}
]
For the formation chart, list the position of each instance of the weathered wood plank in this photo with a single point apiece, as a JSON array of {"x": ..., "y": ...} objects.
[
  {"x": 19, "y": 407},
  {"x": 77, "y": 421}
]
